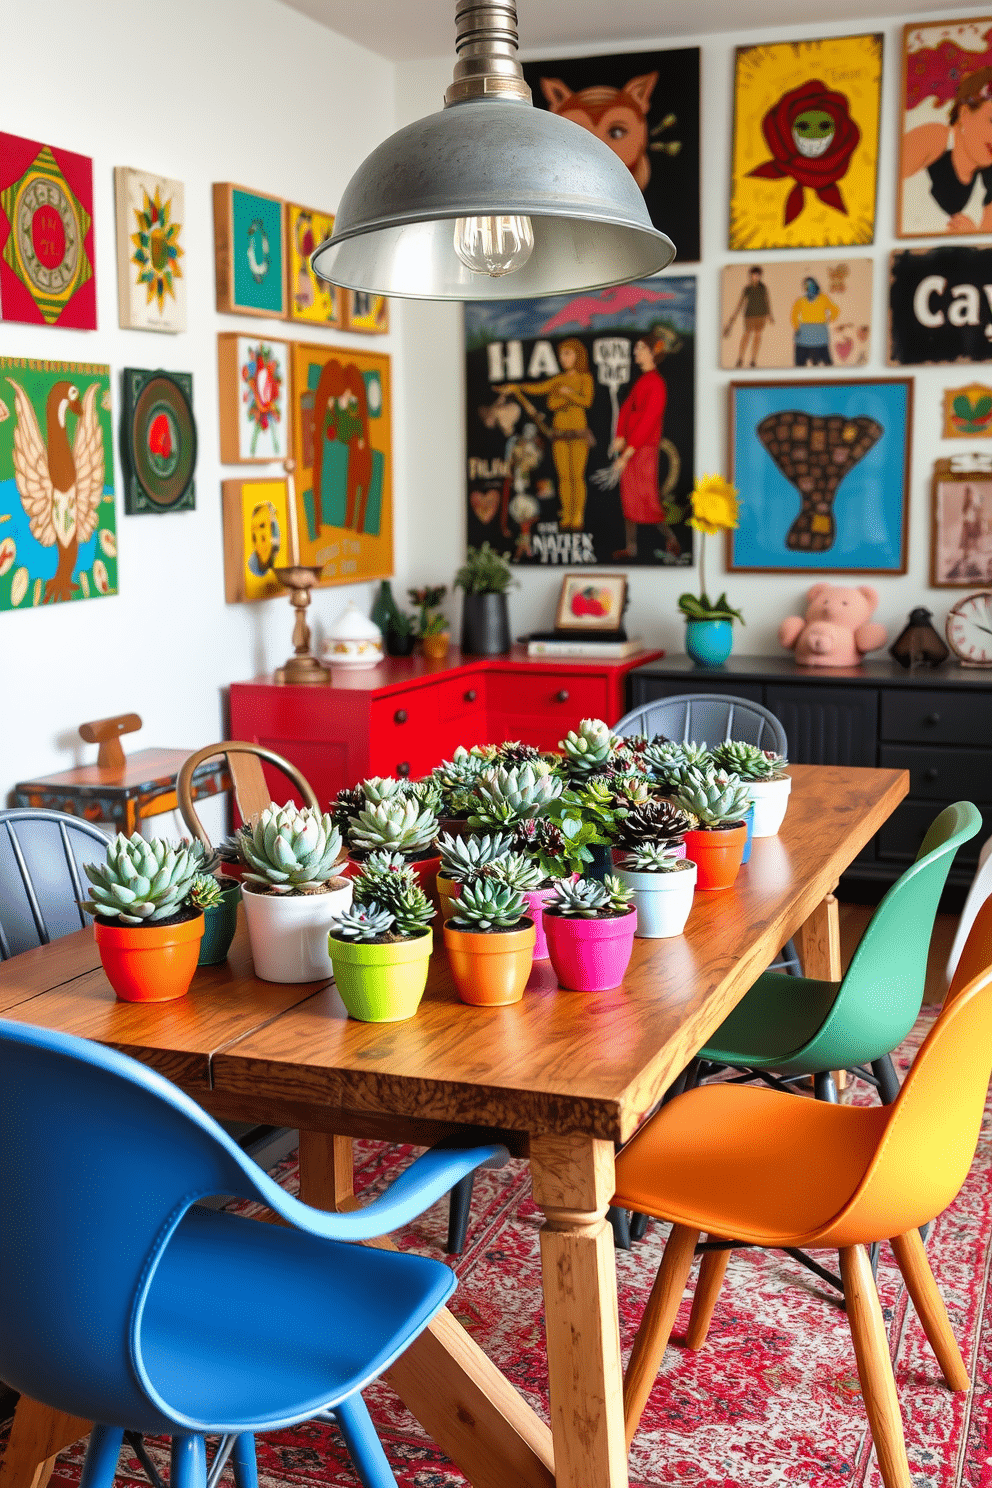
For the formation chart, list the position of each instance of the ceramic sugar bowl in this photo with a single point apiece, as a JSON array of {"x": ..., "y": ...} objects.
[{"x": 354, "y": 641}]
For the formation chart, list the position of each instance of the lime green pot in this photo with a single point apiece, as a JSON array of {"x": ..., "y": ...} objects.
[
  {"x": 219, "y": 924},
  {"x": 381, "y": 983}
]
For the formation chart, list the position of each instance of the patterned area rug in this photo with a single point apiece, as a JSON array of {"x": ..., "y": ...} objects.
[{"x": 772, "y": 1399}]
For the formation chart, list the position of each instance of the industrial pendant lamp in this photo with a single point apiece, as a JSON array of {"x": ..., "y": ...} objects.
[{"x": 491, "y": 198}]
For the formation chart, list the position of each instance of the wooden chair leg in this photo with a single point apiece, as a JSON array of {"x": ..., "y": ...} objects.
[
  {"x": 912, "y": 1258},
  {"x": 871, "y": 1348},
  {"x": 37, "y": 1436},
  {"x": 712, "y": 1269},
  {"x": 656, "y": 1325}
]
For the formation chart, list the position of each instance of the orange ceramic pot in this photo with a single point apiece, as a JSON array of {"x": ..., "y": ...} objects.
[
  {"x": 436, "y": 646},
  {"x": 717, "y": 854},
  {"x": 491, "y": 967},
  {"x": 150, "y": 963}
]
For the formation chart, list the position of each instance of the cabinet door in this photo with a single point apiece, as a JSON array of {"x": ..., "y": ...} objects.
[{"x": 826, "y": 725}]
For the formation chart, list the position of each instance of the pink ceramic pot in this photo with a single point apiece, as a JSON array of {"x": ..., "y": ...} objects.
[
  {"x": 536, "y": 899},
  {"x": 590, "y": 955}
]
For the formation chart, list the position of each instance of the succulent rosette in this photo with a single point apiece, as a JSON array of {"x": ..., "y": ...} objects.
[{"x": 812, "y": 137}]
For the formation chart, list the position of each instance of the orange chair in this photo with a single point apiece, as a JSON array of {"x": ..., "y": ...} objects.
[{"x": 765, "y": 1168}]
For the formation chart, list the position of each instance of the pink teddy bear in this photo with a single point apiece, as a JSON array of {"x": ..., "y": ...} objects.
[{"x": 837, "y": 629}]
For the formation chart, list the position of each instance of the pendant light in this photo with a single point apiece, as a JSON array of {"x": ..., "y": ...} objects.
[{"x": 491, "y": 198}]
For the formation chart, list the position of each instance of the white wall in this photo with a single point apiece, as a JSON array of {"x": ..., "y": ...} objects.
[
  {"x": 209, "y": 90},
  {"x": 435, "y": 388}
]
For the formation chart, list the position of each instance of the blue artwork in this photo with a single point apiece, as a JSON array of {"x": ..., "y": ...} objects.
[{"x": 822, "y": 470}]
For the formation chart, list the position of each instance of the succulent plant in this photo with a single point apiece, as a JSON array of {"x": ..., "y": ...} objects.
[
  {"x": 713, "y": 797},
  {"x": 653, "y": 821},
  {"x": 652, "y": 857},
  {"x": 378, "y": 788},
  {"x": 747, "y": 761},
  {"x": 506, "y": 795},
  {"x": 346, "y": 804},
  {"x": 463, "y": 858},
  {"x": 460, "y": 772},
  {"x": 228, "y": 850},
  {"x": 362, "y": 923},
  {"x": 291, "y": 849},
  {"x": 396, "y": 824},
  {"x": 512, "y": 752},
  {"x": 141, "y": 882},
  {"x": 488, "y": 904},
  {"x": 206, "y": 892},
  {"x": 515, "y": 870},
  {"x": 588, "y": 899},
  {"x": 428, "y": 792},
  {"x": 389, "y": 882},
  {"x": 589, "y": 747},
  {"x": 208, "y": 858},
  {"x": 668, "y": 762}
]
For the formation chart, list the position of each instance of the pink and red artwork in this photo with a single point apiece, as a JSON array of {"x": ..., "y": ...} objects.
[{"x": 47, "y": 274}]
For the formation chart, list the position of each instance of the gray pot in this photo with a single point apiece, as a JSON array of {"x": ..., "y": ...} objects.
[{"x": 485, "y": 625}]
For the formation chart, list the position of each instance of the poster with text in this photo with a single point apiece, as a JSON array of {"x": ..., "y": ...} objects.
[{"x": 940, "y": 305}]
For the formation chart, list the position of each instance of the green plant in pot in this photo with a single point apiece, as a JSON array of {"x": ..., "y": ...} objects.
[
  {"x": 380, "y": 947},
  {"x": 667, "y": 762},
  {"x": 432, "y": 623},
  {"x": 147, "y": 930},
  {"x": 589, "y": 748},
  {"x": 655, "y": 821},
  {"x": 455, "y": 779},
  {"x": 401, "y": 634},
  {"x": 507, "y": 794},
  {"x": 590, "y": 928},
  {"x": 719, "y": 803},
  {"x": 662, "y": 887},
  {"x": 767, "y": 780},
  {"x": 395, "y": 820},
  {"x": 218, "y": 893},
  {"x": 463, "y": 860},
  {"x": 490, "y": 942},
  {"x": 291, "y": 889},
  {"x": 484, "y": 577},
  {"x": 709, "y": 631}
]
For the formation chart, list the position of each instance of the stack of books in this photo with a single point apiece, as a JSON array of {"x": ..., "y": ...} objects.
[{"x": 606, "y": 646}]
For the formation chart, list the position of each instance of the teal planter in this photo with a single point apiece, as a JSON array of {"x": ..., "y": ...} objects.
[
  {"x": 708, "y": 642},
  {"x": 220, "y": 923}
]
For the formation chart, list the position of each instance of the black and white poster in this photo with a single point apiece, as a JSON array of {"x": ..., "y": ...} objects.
[{"x": 940, "y": 306}]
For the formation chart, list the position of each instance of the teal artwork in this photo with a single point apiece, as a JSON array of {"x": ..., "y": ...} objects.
[{"x": 250, "y": 251}]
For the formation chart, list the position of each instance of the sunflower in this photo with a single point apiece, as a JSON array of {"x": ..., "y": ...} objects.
[{"x": 714, "y": 504}]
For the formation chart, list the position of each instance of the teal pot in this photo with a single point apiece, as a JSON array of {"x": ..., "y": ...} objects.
[
  {"x": 485, "y": 625},
  {"x": 749, "y": 822},
  {"x": 709, "y": 642},
  {"x": 219, "y": 924}
]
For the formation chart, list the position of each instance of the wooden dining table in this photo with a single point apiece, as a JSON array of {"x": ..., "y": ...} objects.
[{"x": 562, "y": 1077}]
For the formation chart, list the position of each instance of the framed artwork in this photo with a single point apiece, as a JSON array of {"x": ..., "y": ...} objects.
[
  {"x": 249, "y": 252},
  {"x": 253, "y": 383},
  {"x": 342, "y": 438},
  {"x": 47, "y": 266},
  {"x": 961, "y": 531},
  {"x": 823, "y": 470},
  {"x": 367, "y": 313},
  {"x": 56, "y": 437},
  {"x": 158, "y": 441},
  {"x": 645, "y": 106},
  {"x": 804, "y": 313},
  {"x": 805, "y": 149},
  {"x": 257, "y": 538},
  {"x": 591, "y": 602},
  {"x": 151, "y": 216},
  {"x": 940, "y": 305},
  {"x": 310, "y": 299},
  {"x": 581, "y": 425},
  {"x": 945, "y": 163},
  {"x": 968, "y": 412}
]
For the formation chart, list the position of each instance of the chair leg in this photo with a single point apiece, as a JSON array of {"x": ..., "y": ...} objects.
[
  {"x": 244, "y": 1462},
  {"x": 888, "y": 1081},
  {"x": 459, "y": 1211},
  {"x": 100, "y": 1462},
  {"x": 712, "y": 1269},
  {"x": 871, "y": 1348},
  {"x": 371, "y": 1463},
  {"x": 188, "y": 1462},
  {"x": 929, "y": 1304},
  {"x": 656, "y": 1325},
  {"x": 638, "y": 1226},
  {"x": 620, "y": 1225},
  {"x": 824, "y": 1087}
]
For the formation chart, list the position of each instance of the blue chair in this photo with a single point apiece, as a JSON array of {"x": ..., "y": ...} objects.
[
  {"x": 131, "y": 1305},
  {"x": 41, "y": 876}
]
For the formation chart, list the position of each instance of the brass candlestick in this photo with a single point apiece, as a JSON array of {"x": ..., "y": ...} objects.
[{"x": 301, "y": 666}]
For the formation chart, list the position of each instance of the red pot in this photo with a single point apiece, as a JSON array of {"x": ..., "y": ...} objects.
[
  {"x": 590, "y": 955},
  {"x": 150, "y": 963},
  {"x": 717, "y": 853}
]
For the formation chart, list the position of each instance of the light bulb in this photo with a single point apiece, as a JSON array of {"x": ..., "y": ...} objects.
[{"x": 494, "y": 245}]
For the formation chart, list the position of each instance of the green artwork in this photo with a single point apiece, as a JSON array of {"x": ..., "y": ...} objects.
[
  {"x": 58, "y": 539},
  {"x": 256, "y": 237}
]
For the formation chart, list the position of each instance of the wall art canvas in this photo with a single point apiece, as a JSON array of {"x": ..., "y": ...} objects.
[
  {"x": 342, "y": 437},
  {"x": 968, "y": 412},
  {"x": 256, "y": 538},
  {"x": 249, "y": 252},
  {"x": 58, "y": 538},
  {"x": 645, "y": 106},
  {"x": 47, "y": 264},
  {"x": 253, "y": 384},
  {"x": 805, "y": 149},
  {"x": 158, "y": 441},
  {"x": 822, "y": 468},
  {"x": 151, "y": 244},
  {"x": 581, "y": 425},
  {"x": 804, "y": 313},
  {"x": 945, "y": 166},
  {"x": 310, "y": 299},
  {"x": 961, "y": 532},
  {"x": 367, "y": 313},
  {"x": 940, "y": 305}
]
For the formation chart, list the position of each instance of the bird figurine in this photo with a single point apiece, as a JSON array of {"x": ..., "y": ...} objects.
[{"x": 60, "y": 485}]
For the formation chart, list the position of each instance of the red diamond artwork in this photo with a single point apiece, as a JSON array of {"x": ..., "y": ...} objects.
[{"x": 46, "y": 235}]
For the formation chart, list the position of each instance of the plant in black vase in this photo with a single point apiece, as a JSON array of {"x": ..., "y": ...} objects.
[{"x": 485, "y": 576}]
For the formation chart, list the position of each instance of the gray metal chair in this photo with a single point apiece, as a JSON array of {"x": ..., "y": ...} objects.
[
  {"x": 707, "y": 718},
  {"x": 41, "y": 876}
]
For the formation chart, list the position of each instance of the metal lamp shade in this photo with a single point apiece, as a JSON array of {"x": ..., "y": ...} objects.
[{"x": 393, "y": 234}]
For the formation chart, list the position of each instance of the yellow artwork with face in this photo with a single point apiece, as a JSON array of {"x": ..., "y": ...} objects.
[
  {"x": 257, "y": 538},
  {"x": 805, "y": 152},
  {"x": 310, "y": 299}
]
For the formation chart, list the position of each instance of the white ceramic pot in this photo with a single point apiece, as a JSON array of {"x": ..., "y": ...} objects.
[
  {"x": 662, "y": 900},
  {"x": 288, "y": 933},
  {"x": 354, "y": 640},
  {"x": 770, "y": 797}
]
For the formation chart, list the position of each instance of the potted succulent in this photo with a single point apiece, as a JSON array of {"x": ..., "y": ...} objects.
[
  {"x": 485, "y": 576},
  {"x": 590, "y": 928},
  {"x": 490, "y": 943},
  {"x": 662, "y": 887},
  {"x": 218, "y": 893},
  {"x": 432, "y": 624},
  {"x": 463, "y": 859},
  {"x": 504, "y": 795},
  {"x": 589, "y": 748},
  {"x": 654, "y": 821},
  {"x": 396, "y": 816},
  {"x": 767, "y": 782},
  {"x": 291, "y": 889},
  {"x": 401, "y": 635},
  {"x": 380, "y": 946},
  {"x": 667, "y": 762},
  {"x": 454, "y": 780},
  {"x": 147, "y": 931},
  {"x": 719, "y": 804}
]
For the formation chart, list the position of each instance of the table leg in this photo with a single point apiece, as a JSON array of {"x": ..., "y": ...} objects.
[
  {"x": 819, "y": 951},
  {"x": 37, "y": 1437},
  {"x": 573, "y": 1183}
]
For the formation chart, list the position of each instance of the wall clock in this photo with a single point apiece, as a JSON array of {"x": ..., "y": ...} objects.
[{"x": 969, "y": 629}]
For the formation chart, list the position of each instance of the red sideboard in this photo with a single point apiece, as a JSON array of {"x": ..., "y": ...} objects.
[{"x": 407, "y": 714}]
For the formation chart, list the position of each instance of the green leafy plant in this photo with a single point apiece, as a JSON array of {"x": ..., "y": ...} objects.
[
  {"x": 667, "y": 762},
  {"x": 290, "y": 850},
  {"x": 589, "y": 747},
  {"x": 516, "y": 870},
  {"x": 398, "y": 825},
  {"x": 430, "y": 621},
  {"x": 508, "y": 794},
  {"x": 484, "y": 572},
  {"x": 559, "y": 848},
  {"x": 748, "y": 761},
  {"x": 714, "y": 509},
  {"x": 464, "y": 858},
  {"x": 389, "y": 883},
  {"x": 400, "y": 623},
  {"x": 206, "y": 892},
  {"x": 487, "y": 905},
  {"x": 588, "y": 899},
  {"x": 653, "y": 857},
  {"x": 141, "y": 882},
  {"x": 655, "y": 822},
  {"x": 713, "y": 798},
  {"x": 363, "y": 923}
]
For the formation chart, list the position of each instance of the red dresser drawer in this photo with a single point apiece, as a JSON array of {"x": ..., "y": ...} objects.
[
  {"x": 540, "y": 707},
  {"x": 403, "y": 732}
]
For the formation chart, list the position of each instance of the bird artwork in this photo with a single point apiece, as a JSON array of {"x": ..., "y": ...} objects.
[{"x": 60, "y": 483}]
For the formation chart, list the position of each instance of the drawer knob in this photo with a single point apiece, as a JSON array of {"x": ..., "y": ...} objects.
[
  {"x": 561, "y": 696},
  {"x": 400, "y": 716},
  {"x": 932, "y": 719},
  {"x": 932, "y": 773},
  {"x": 471, "y": 695},
  {"x": 403, "y": 768}
]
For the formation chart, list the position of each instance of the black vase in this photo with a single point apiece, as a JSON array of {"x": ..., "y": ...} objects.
[
  {"x": 485, "y": 625},
  {"x": 400, "y": 645}
]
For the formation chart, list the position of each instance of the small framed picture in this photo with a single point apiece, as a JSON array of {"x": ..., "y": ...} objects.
[
  {"x": 257, "y": 538},
  {"x": 591, "y": 602},
  {"x": 961, "y": 536},
  {"x": 368, "y": 313},
  {"x": 249, "y": 251},
  {"x": 253, "y": 383}
]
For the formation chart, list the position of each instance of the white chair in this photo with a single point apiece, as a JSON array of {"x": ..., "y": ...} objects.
[{"x": 981, "y": 888}]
